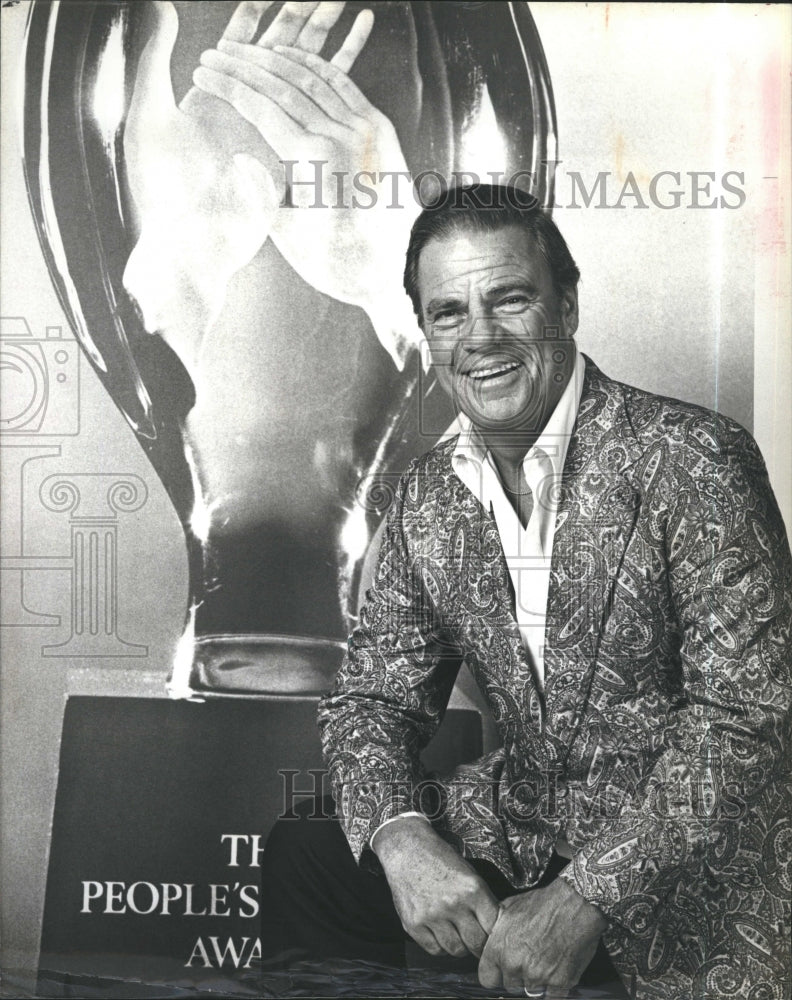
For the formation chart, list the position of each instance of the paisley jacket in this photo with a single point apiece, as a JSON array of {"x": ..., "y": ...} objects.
[{"x": 658, "y": 746}]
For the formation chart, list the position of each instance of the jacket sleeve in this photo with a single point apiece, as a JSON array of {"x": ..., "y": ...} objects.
[
  {"x": 392, "y": 689},
  {"x": 718, "y": 778}
]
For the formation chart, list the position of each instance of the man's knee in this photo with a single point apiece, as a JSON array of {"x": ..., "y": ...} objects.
[{"x": 310, "y": 832}]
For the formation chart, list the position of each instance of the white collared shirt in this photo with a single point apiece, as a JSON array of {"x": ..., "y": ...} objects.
[{"x": 528, "y": 550}]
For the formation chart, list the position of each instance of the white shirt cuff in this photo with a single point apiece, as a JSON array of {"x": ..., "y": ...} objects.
[{"x": 393, "y": 819}]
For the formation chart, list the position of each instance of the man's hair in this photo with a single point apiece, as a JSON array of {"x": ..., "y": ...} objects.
[{"x": 485, "y": 208}]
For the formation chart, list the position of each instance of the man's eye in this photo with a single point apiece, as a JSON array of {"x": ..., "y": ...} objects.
[
  {"x": 512, "y": 304},
  {"x": 447, "y": 319}
]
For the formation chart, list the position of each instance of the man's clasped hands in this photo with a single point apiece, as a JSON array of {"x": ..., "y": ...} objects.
[{"x": 538, "y": 940}]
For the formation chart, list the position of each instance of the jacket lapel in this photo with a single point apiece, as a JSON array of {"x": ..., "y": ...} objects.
[
  {"x": 597, "y": 511},
  {"x": 487, "y": 607}
]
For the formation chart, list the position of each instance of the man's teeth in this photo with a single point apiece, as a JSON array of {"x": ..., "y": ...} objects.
[{"x": 495, "y": 370}]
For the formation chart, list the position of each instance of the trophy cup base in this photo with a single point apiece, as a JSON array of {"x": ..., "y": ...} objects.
[{"x": 264, "y": 666}]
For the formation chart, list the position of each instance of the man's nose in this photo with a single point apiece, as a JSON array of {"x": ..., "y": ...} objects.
[{"x": 483, "y": 329}]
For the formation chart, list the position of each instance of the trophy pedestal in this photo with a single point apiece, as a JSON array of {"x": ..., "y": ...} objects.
[{"x": 149, "y": 791}]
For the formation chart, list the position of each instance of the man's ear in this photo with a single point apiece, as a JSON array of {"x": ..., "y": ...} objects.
[{"x": 569, "y": 310}]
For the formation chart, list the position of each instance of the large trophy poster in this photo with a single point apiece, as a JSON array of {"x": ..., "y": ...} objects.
[{"x": 212, "y": 379}]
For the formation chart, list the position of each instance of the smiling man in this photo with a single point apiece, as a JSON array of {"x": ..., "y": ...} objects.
[
  {"x": 613, "y": 568},
  {"x": 499, "y": 327}
]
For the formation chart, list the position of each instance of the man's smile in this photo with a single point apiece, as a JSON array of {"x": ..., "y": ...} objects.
[{"x": 493, "y": 371}]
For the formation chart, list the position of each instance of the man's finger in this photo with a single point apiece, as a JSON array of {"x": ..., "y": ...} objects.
[
  {"x": 278, "y": 129},
  {"x": 513, "y": 980},
  {"x": 286, "y": 28},
  {"x": 449, "y": 938},
  {"x": 289, "y": 98},
  {"x": 308, "y": 84},
  {"x": 489, "y": 972},
  {"x": 348, "y": 91},
  {"x": 424, "y": 937},
  {"x": 487, "y": 911},
  {"x": 472, "y": 933},
  {"x": 353, "y": 44},
  {"x": 245, "y": 20},
  {"x": 317, "y": 27}
]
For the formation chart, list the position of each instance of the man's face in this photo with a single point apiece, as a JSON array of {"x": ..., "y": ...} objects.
[{"x": 499, "y": 334}]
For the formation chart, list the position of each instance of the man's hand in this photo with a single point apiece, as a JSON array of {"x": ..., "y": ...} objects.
[
  {"x": 543, "y": 940},
  {"x": 442, "y": 902},
  {"x": 341, "y": 236},
  {"x": 204, "y": 182},
  {"x": 204, "y": 204}
]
